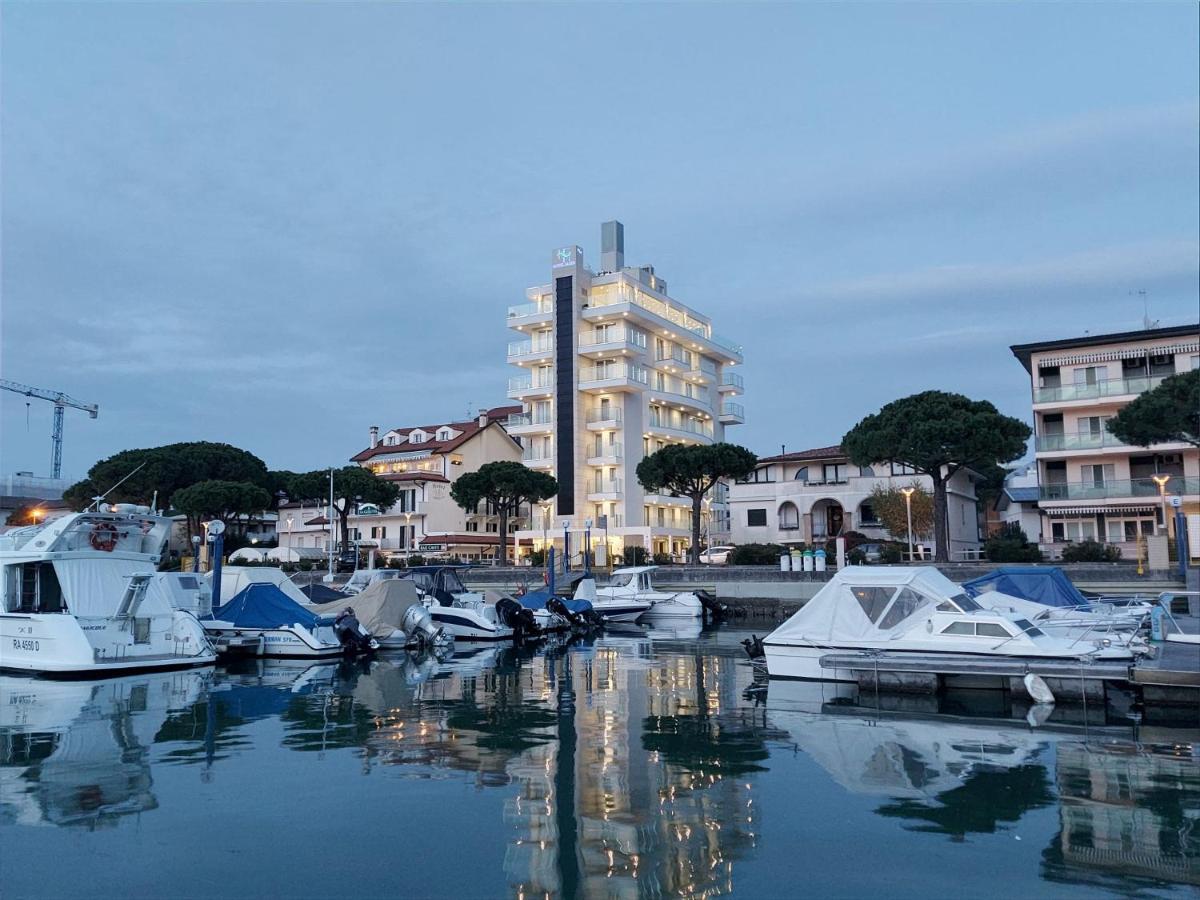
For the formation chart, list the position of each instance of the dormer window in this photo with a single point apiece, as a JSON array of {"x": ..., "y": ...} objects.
[
  {"x": 417, "y": 436},
  {"x": 391, "y": 439},
  {"x": 444, "y": 434}
]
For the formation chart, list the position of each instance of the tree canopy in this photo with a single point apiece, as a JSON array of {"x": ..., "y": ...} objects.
[
  {"x": 892, "y": 510},
  {"x": 224, "y": 500},
  {"x": 506, "y": 486},
  {"x": 166, "y": 469},
  {"x": 1170, "y": 413},
  {"x": 937, "y": 433},
  {"x": 351, "y": 485},
  {"x": 691, "y": 470}
]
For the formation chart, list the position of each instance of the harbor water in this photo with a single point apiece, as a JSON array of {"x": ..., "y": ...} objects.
[{"x": 641, "y": 763}]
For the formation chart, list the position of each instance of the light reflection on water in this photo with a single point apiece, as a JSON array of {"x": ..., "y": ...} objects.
[{"x": 635, "y": 765}]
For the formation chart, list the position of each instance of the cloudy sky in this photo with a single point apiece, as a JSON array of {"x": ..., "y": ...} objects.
[{"x": 278, "y": 224}]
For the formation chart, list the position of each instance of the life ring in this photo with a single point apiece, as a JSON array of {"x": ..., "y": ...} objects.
[{"x": 104, "y": 537}]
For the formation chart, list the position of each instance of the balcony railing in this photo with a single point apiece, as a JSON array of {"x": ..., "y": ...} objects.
[
  {"x": 606, "y": 451},
  {"x": 612, "y": 414},
  {"x": 1083, "y": 440},
  {"x": 664, "y": 311},
  {"x": 518, "y": 419},
  {"x": 605, "y": 486},
  {"x": 529, "y": 383},
  {"x": 722, "y": 341},
  {"x": 729, "y": 408},
  {"x": 733, "y": 380},
  {"x": 537, "y": 455},
  {"x": 1107, "y": 490},
  {"x": 522, "y": 348},
  {"x": 609, "y": 373},
  {"x": 1112, "y": 387},
  {"x": 530, "y": 309},
  {"x": 701, "y": 429},
  {"x": 698, "y": 397},
  {"x": 600, "y": 337}
]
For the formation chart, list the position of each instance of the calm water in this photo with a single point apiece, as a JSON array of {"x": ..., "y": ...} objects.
[{"x": 647, "y": 764}]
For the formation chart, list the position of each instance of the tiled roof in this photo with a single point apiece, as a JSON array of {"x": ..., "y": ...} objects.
[
  {"x": 833, "y": 452},
  {"x": 413, "y": 476},
  {"x": 470, "y": 537},
  {"x": 468, "y": 430}
]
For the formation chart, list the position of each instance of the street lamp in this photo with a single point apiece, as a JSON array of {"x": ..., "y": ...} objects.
[
  {"x": 408, "y": 534},
  {"x": 1161, "y": 481},
  {"x": 908, "y": 492},
  {"x": 290, "y": 520}
]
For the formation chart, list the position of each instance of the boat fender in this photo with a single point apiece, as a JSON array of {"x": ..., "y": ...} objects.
[{"x": 1037, "y": 688}]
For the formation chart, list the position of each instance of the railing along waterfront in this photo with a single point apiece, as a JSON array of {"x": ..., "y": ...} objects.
[
  {"x": 1134, "y": 487},
  {"x": 1111, "y": 387}
]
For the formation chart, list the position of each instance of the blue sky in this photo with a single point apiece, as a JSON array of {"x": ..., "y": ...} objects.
[{"x": 278, "y": 224}]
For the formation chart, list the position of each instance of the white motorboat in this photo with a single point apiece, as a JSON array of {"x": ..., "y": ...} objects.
[
  {"x": 911, "y": 609},
  {"x": 393, "y": 613},
  {"x": 467, "y": 615},
  {"x": 611, "y": 609},
  {"x": 277, "y": 626},
  {"x": 361, "y": 579},
  {"x": 630, "y": 588},
  {"x": 76, "y": 598}
]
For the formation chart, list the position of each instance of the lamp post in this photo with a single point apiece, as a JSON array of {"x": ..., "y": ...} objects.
[
  {"x": 566, "y": 526},
  {"x": 908, "y": 492},
  {"x": 408, "y": 535},
  {"x": 587, "y": 545},
  {"x": 545, "y": 507},
  {"x": 289, "y": 531},
  {"x": 1161, "y": 481}
]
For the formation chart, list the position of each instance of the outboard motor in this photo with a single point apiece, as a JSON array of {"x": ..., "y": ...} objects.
[
  {"x": 712, "y": 605},
  {"x": 754, "y": 647},
  {"x": 556, "y": 606},
  {"x": 418, "y": 624},
  {"x": 516, "y": 616},
  {"x": 354, "y": 638}
]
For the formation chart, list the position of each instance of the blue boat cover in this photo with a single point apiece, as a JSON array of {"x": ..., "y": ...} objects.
[
  {"x": 261, "y": 604},
  {"x": 536, "y": 600},
  {"x": 1042, "y": 584}
]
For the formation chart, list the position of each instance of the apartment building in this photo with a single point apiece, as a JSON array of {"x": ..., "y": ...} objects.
[
  {"x": 424, "y": 461},
  {"x": 612, "y": 368},
  {"x": 1091, "y": 485},
  {"x": 810, "y": 496}
]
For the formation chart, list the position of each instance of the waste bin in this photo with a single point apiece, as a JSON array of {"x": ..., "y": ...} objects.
[
  {"x": 808, "y": 560},
  {"x": 819, "y": 560},
  {"x": 785, "y": 562}
]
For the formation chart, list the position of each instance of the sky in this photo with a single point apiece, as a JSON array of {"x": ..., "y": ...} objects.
[{"x": 277, "y": 224}]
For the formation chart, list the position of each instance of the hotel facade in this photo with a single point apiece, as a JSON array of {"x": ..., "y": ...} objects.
[
  {"x": 612, "y": 368},
  {"x": 1091, "y": 486}
]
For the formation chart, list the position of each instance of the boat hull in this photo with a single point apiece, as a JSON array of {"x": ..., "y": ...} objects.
[
  {"x": 467, "y": 625},
  {"x": 620, "y": 612},
  {"x": 288, "y": 642},
  {"x": 680, "y": 606}
]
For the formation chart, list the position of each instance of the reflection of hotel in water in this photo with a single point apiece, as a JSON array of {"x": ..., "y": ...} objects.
[
  {"x": 636, "y": 791},
  {"x": 1127, "y": 810}
]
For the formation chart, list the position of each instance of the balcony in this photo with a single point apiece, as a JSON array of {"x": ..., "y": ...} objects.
[
  {"x": 601, "y": 489},
  {"x": 731, "y": 383},
  {"x": 600, "y": 341},
  {"x": 627, "y": 298},
  {"x": 529, "y": 351},
  {"x": 527, "y": 423},
  {"x": 617, "y": 377},
  {"x": 1115, "y": 490},
  {"x": 1113, "y": 387},
  {"x": 537, "y": 458},
  {"x": 732, "y": 413},
  {"x": 1083, "y": 440},
  {"x": 699, "y": 400},
  {"x": 533, "y": 313},
  {"x": 691, "y": 429},
  {"x": 607, "y": 455},
  {"x": 603, "y": 419},
  {"x": 527, "y": 385}
]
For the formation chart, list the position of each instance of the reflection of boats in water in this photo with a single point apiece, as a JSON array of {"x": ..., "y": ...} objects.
[{"x": 78, "y": 753}]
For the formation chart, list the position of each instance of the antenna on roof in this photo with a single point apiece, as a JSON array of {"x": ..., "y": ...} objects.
[
  {"x": 1147, "y": 322},
  {"x": 783, "y": 449},
  {"x": 97, "y": 500}
]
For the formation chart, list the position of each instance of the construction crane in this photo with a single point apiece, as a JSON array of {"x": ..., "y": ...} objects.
[{"x": 61, "y": 401}]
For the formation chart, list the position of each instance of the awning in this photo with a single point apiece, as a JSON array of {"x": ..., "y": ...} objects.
[
  {"x": 1108, "y": 355},
  {"x": 1072, "y": 512}
]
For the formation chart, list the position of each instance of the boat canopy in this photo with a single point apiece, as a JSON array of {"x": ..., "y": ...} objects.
[
  {"x": 1048, "y": 585},
  {"x": 235, "y": 579},
  {"x": 861, "y": 603},
  {"x": 380, "y": 608},
  {"x": 263, "y": 605},
  {"x": 96, "y": 587}
]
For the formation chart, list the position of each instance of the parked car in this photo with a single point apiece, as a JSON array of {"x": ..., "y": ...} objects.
[
  {"x": 347, "y": 561},
  {"x": 716, "y": 556},
  {"x": 870, "y": 552}
]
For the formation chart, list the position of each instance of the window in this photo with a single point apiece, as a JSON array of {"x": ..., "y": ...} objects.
[
  {"x": 472, "y": 526},
  {"x": 834, "y": 473},
  {"x": 867, "y": 515},
  {"x": 756, "y": 518},
  {"x": 960, "y": 628},
  {"x": 866, "y": 472},
  {"x": 906, "y": 603},
  {"x": 789, "y": 517},
  {"x": 1027, "y": 627},
  {"x": 873, "y": 600},
  {"x": 991, "y": 629},
  {"x": 801, "y": 474},
  {"x": 1085, "y": 375},
  {"x": 1098, "y": 475},
  {"x": 1073, "y": 530},
  {"x": 902, "y": 469},
  {"x": 493, "y": 527}
]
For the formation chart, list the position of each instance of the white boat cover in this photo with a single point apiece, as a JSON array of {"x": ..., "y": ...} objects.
[
  {"x": 96, "y": 587},
  {"x": 235, "y": 578},
  {"x": 247, "y": 554},
  {"x": 842, "y": 612},
  {"x": 380, "y": 608},
  {"x": 295, "y": 554}
]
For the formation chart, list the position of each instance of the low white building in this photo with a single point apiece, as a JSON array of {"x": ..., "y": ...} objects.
[
  {"x": 1017, "y": 502},
  {"x": 813, "y": 495}
]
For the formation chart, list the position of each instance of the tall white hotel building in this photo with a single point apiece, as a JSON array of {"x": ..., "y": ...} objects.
[{"x": 612, "y": 369}]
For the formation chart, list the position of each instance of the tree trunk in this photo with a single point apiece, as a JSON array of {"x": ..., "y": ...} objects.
[
  {"x": 502, "y": 556},
  {"x": 343, "y": 516},
  {"x": 941, "y": 522},
  {"x": 694, "y": 550}
]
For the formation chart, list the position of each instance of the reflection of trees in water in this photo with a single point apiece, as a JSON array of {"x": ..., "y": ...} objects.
[
  {"x": 1126, "y": 811},
  {"x": 986, "y": 798}
]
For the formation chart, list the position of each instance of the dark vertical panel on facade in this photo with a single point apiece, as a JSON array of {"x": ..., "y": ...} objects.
[{"x": 564, "y": 414}]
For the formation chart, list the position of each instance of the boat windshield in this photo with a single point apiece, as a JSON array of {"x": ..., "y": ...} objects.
[
  {"x": 959, "y": 603},
  {"x": 451, "y": 582},
  {"x": 621, "y": 581},
  {"x": 1028, "y": 627}
]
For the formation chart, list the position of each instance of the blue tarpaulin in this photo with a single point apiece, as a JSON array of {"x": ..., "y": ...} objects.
[
  {"x": 1042, "y": 584},
  {"x": 537, "y": 600},
  {"x": 262, "y": 605}
]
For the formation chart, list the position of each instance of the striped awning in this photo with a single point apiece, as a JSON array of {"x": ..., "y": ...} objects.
[
  {"x": 1109, "y": 355},
  {"x": 1072, "y": 512}
]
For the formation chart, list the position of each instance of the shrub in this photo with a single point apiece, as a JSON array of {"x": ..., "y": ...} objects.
[
  {"x": 634, "y": 556},
  {"x": 1010, "y": 545},
  {"x": 416, "y": 559},
  {"x": 856, "y": 557},
  {"x": 1090, "y": 551},
  {"x": 891, "y": 554},
  {"x": 537, "y": 557},
  {"x": 662, "y": 559},
  {"x": 756, "y": 555}
]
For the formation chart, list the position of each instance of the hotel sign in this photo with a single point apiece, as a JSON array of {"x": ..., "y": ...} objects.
[{"x": 565, "y": 256}]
